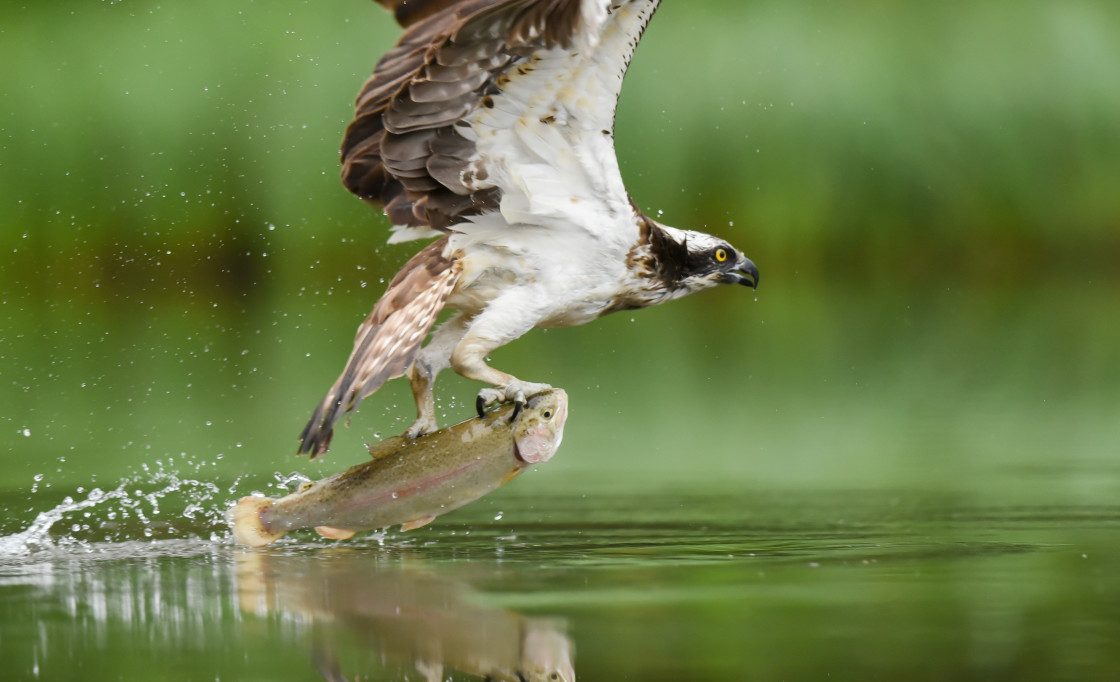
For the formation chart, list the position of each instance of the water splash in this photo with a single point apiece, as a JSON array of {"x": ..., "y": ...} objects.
[
  {"x": 291, "y": 482},
  {"x": 155, "y": 504},
  {"x": 37, "y": 535}
]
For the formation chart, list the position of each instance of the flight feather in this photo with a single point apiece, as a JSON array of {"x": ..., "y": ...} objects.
[
  {"x": 387, "y": 340},
  {"x": 481, "y": 100}
]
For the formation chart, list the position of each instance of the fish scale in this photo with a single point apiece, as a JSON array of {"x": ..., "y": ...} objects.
[{"x": 412, "y": 481}]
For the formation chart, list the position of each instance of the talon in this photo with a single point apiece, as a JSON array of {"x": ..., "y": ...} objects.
[
  {"x": 424, "y": 424},
  {"x": 516, "y": 392}
]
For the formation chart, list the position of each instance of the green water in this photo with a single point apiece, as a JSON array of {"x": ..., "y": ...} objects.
[
  {"x": 741, "y": 585},
  {"x": 833, "y": 487}
]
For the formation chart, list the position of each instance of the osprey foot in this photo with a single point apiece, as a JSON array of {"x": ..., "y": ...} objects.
[
  {"x": 517, "y": 392},
  {"x": 421, "y": 427}
]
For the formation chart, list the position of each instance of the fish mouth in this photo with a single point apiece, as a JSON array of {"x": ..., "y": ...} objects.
[
  {"x": 539, "y": 444},
  {"x": 540, "y": 440},
  {"x": 517, "y": 451}
]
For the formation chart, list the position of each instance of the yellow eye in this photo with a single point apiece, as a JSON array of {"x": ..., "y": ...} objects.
[
  {"x": 548, "y": 414},
  {"x": 721, "y": 255}
]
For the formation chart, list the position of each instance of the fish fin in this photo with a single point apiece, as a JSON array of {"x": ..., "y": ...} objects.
[
  {"x": 418, "y": 523},
  {"x": 432, "y": 672},
  {"x": 247, "y": 524},
  {"x": 386, "y": 447},
  {"x": 335, "y": 533},
  {"x": 511, "y": 475}
]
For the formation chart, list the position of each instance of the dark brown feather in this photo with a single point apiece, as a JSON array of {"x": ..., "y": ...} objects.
[
  {"x": 402, "y": 150},
  {"x": 409, "y": 12},
  {"x": 656, "y": 254}
]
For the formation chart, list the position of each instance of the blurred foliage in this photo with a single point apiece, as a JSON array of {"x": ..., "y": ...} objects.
[
  {"x": 979, "y": 137},
  {"x": 929, "y": 190}
]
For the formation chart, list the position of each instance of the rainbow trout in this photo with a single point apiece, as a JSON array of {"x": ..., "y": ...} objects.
[{"x": 412, "y": 481}]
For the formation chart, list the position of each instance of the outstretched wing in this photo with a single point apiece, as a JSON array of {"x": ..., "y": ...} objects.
[
  {"x": 489, "y": 106},
  {"x": 387, "y": 341},
  {"x": 408, "y": 12}
]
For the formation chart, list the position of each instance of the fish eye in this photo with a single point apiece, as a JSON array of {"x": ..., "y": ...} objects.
[
  {"x": 548, "y": 414},
  {"x": 721, "y": 255}
]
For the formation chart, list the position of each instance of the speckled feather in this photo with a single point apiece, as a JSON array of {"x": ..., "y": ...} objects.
[{"x": 387, "y": 341}]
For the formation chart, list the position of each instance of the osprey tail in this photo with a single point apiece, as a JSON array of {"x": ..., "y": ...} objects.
[{"x": 387, "y": 341}]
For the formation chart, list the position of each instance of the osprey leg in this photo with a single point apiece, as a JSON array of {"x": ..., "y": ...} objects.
[
  {"x": 432, "y": 359},
  {"x": 388, "y": 341},
  {"x": 469, "y": 357}
]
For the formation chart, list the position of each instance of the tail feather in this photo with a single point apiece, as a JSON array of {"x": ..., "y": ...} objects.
[
  {"x": 387, "y": 341},
  {"x": 247, "y": 524}
]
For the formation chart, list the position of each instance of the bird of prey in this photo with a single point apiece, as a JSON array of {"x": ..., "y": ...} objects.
[{"x": 490, "y": 126}]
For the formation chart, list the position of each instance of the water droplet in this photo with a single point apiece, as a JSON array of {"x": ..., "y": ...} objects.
[{"x": 498, "y": 516}]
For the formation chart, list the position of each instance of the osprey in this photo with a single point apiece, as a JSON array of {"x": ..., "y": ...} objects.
[{"x": 490, "y": 126}]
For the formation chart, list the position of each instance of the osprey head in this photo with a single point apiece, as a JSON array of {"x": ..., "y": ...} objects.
[{"x": 696, "y": 261}]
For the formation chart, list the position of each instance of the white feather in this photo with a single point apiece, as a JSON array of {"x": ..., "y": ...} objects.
[
  {"x": 593, "y": 14},
  {"x": 546, "y": 142},
  {"x": 406, "y": 233}
]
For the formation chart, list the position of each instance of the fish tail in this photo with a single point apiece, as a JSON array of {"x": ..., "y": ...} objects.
[{"x": 248, "y": 526}]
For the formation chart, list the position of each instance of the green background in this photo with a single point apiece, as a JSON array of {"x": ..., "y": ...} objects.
[
  {"x": 898, "y": 459},
  {"x": 930, "y": 190}
]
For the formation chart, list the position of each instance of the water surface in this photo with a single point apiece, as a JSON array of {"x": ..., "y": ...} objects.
[{"x": 743, "y": 584}]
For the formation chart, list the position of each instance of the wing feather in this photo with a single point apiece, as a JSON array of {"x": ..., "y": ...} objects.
[
  {"x": 409, "y": 12},
  {"x": 473, "y": 69},
  {"x": 387, "y": 341}
]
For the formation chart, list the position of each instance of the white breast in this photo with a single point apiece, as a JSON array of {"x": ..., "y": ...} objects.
[{"x": 559, "y": 278}]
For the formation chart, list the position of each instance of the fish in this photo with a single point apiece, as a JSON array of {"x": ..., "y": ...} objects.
[
  {"x": 358, "y": 613},
  {"x": 412, "y": 481}
]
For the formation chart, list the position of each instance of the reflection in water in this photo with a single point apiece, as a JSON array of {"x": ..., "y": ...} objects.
[
  {"x": 111, "y": 610},
  {"x": 812, "y": 586},
  {"x": 408, "y": 616}
]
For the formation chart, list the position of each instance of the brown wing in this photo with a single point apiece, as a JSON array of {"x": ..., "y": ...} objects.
[
  {"x": 387, "y": 341},
  {"x": 408, "y": 12},
  {"x": 402, "y": 149}
]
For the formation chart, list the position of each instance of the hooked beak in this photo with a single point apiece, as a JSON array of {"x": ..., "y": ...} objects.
[{"x": 744, "y": 273}]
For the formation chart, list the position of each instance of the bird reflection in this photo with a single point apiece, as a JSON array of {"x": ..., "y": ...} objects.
[{"x": 407, "y": 616}]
